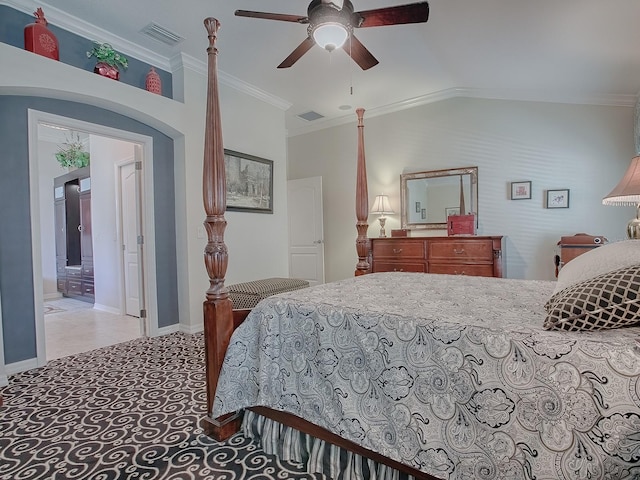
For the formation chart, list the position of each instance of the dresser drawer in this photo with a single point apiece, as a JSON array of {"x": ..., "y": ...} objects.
[
  {"x": 73, "y": 272},
  {"x": 461, "y": 269},
  {"x": 87, "y": 289},
  {"x": 399, "y": 267},
  {"x": 461, "y": 251},
  {"x": 398, "y": 249},
  {"x": 74, "y": 287},
  {"x": 87, "y": 270}
]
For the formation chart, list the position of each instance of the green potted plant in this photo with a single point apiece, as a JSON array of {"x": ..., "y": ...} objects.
[
  {"x": 72, "y": 154},
  {"x": 109, "y": 61}
]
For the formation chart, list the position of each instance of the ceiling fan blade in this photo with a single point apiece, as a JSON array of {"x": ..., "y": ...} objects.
[
  {"x": 401, "y": 14},
  {"x": 359, "y": 53},
  {"x": 283, "y": 17},
  {"x": 297, "y": 53}
]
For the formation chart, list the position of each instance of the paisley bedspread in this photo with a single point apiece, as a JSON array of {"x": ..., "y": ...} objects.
[{"x": 451, "y": 375}]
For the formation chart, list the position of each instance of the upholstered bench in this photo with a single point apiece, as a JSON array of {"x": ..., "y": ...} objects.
[{"x": 248, "y": 294}]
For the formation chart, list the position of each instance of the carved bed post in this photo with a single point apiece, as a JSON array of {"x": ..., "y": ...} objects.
[
  {"x": 362, "y": 203},
  {"x": 218, "y": 315}
]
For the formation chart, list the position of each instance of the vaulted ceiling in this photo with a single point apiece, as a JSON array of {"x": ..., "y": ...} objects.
[{"x": 576, "y": 51}]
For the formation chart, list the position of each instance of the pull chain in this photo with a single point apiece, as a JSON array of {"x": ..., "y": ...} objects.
[{"x": 350, "y": 67}]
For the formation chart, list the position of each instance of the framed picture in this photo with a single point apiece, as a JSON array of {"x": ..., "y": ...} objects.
[
  {"x": 417, "y": 207},
  {"x": 521, "y": 190},
  {"x": 558, "y": 198},
  {"x": 451, "y": 211},
  {"x": 249, "y": 183},
  {"x": 423, "y": 214}
]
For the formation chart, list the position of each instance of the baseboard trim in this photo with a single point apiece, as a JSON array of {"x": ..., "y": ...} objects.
[
  {"x": 167, "y": 330},
  {"x": 191, "y": 329},
  {"x": 104, "y": 308},
  {"x": 23, "y": 366},
  {"x": 4, "y": 380}
]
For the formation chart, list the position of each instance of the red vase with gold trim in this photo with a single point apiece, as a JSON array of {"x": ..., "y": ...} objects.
[
  {"x": 39, "y": 39},
  {"x": 153, "y": 83}
]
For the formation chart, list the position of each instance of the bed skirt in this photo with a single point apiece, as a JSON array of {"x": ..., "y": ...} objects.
[{"x": 316, "y": 456}]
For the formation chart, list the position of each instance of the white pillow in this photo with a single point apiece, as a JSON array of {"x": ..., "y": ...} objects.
[{"x": 597, "y": 261}]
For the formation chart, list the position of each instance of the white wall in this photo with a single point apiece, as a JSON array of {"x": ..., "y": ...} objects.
[{"x": 583, "y": 148}]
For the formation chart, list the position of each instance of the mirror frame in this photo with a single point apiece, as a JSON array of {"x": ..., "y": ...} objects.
[{"x": 404, "y": 177}]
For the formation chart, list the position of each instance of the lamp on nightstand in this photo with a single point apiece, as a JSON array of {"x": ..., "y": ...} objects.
[
  {"x": 627, "y": 193},
  {"x": 382, "y": 207}
]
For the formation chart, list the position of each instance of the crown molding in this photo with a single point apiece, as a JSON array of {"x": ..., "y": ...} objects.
[
  {"x": 186, "y": 61},
  {"x": 615, "y": 100},
  {"x": 252, "y": 90}
]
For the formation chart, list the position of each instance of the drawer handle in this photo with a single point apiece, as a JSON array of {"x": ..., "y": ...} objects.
[
  {"x": 397, "y": 250},
  {"x": 458, "y": 252},
  {"x": 398, "y": 270},
  {"x": 460, "y": 273}
]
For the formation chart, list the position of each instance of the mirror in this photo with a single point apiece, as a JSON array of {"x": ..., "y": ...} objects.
[{"x": 428, "y": 198}]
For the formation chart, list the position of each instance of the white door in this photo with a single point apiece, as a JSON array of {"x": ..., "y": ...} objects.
[
  {"x": 130, "y": 265},
  {"x": 306, "y": 233}
]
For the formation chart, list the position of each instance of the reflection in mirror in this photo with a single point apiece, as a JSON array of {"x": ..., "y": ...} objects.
[{"x": 428, "y": 198}]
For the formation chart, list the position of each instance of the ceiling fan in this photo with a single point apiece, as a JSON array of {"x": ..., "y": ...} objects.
[{"x": 331, "y": 24}]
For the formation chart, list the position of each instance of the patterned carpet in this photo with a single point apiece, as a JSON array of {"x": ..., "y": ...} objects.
[{"x": 125, "y": 412}]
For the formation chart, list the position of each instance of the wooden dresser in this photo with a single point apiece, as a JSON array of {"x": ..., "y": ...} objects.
[{"x": 477, "y": 255}]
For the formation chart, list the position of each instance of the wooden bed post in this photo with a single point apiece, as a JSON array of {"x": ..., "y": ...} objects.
[
  {"x": 218, "y": 315},
  {"x": 362, "y": 203}
]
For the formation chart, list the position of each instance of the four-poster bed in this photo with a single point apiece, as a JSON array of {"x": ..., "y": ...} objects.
[{"x": 433, "y": 375}]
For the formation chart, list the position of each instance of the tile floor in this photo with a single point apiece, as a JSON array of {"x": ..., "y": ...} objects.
[{"x": 72, "y": 327}]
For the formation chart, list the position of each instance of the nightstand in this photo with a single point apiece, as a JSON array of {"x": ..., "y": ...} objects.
[{"x": 575, "y": 245}]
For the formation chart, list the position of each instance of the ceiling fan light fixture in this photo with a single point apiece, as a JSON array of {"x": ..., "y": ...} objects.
[{"x": 330, "y": 35}]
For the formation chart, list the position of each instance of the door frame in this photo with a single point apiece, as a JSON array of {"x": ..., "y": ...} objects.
[{"x": 150, "y": 290}]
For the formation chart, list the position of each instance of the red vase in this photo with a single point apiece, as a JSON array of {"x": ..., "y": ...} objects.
[
  {"x": 39, "y": 39},
  {"x": 107, "y": 70},
  {"x": 153, "y": 83}
]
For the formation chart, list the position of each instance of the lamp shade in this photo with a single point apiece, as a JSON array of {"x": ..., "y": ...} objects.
[
  {"x": 330, "y": 35},
  {"x": 627, "y": 192},
  {"x": 381, "y": 205}
]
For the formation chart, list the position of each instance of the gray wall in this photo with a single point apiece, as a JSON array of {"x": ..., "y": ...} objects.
[{"x": 16, "y": 278}]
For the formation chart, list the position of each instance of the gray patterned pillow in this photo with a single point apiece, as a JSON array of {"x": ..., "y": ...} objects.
[{"x": 609, "y": 300}]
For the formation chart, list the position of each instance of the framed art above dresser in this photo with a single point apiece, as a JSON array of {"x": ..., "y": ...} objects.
[{"x": 476, "y": 256}]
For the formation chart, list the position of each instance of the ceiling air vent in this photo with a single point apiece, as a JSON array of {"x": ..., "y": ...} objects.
[
  {"x": 161, "y": 34},
  {"x": 310, "y": 116}
]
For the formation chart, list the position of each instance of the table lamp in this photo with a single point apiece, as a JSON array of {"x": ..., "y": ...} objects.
[
  {"x": 627, "y": 193},
  {"x": 382, "y": 207}
]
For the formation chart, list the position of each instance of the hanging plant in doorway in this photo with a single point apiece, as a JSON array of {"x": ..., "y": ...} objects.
[{"x": 72, "y": 154}]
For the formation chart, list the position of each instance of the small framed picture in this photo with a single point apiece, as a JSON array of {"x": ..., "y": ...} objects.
[
  {"x": 417, "y": 207},
  {"x": 451, "y": 211},
  {"x": 521, "y": 190},
  {"x": 558, "y": 198},
  {"x": 423, "y": 213}
]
